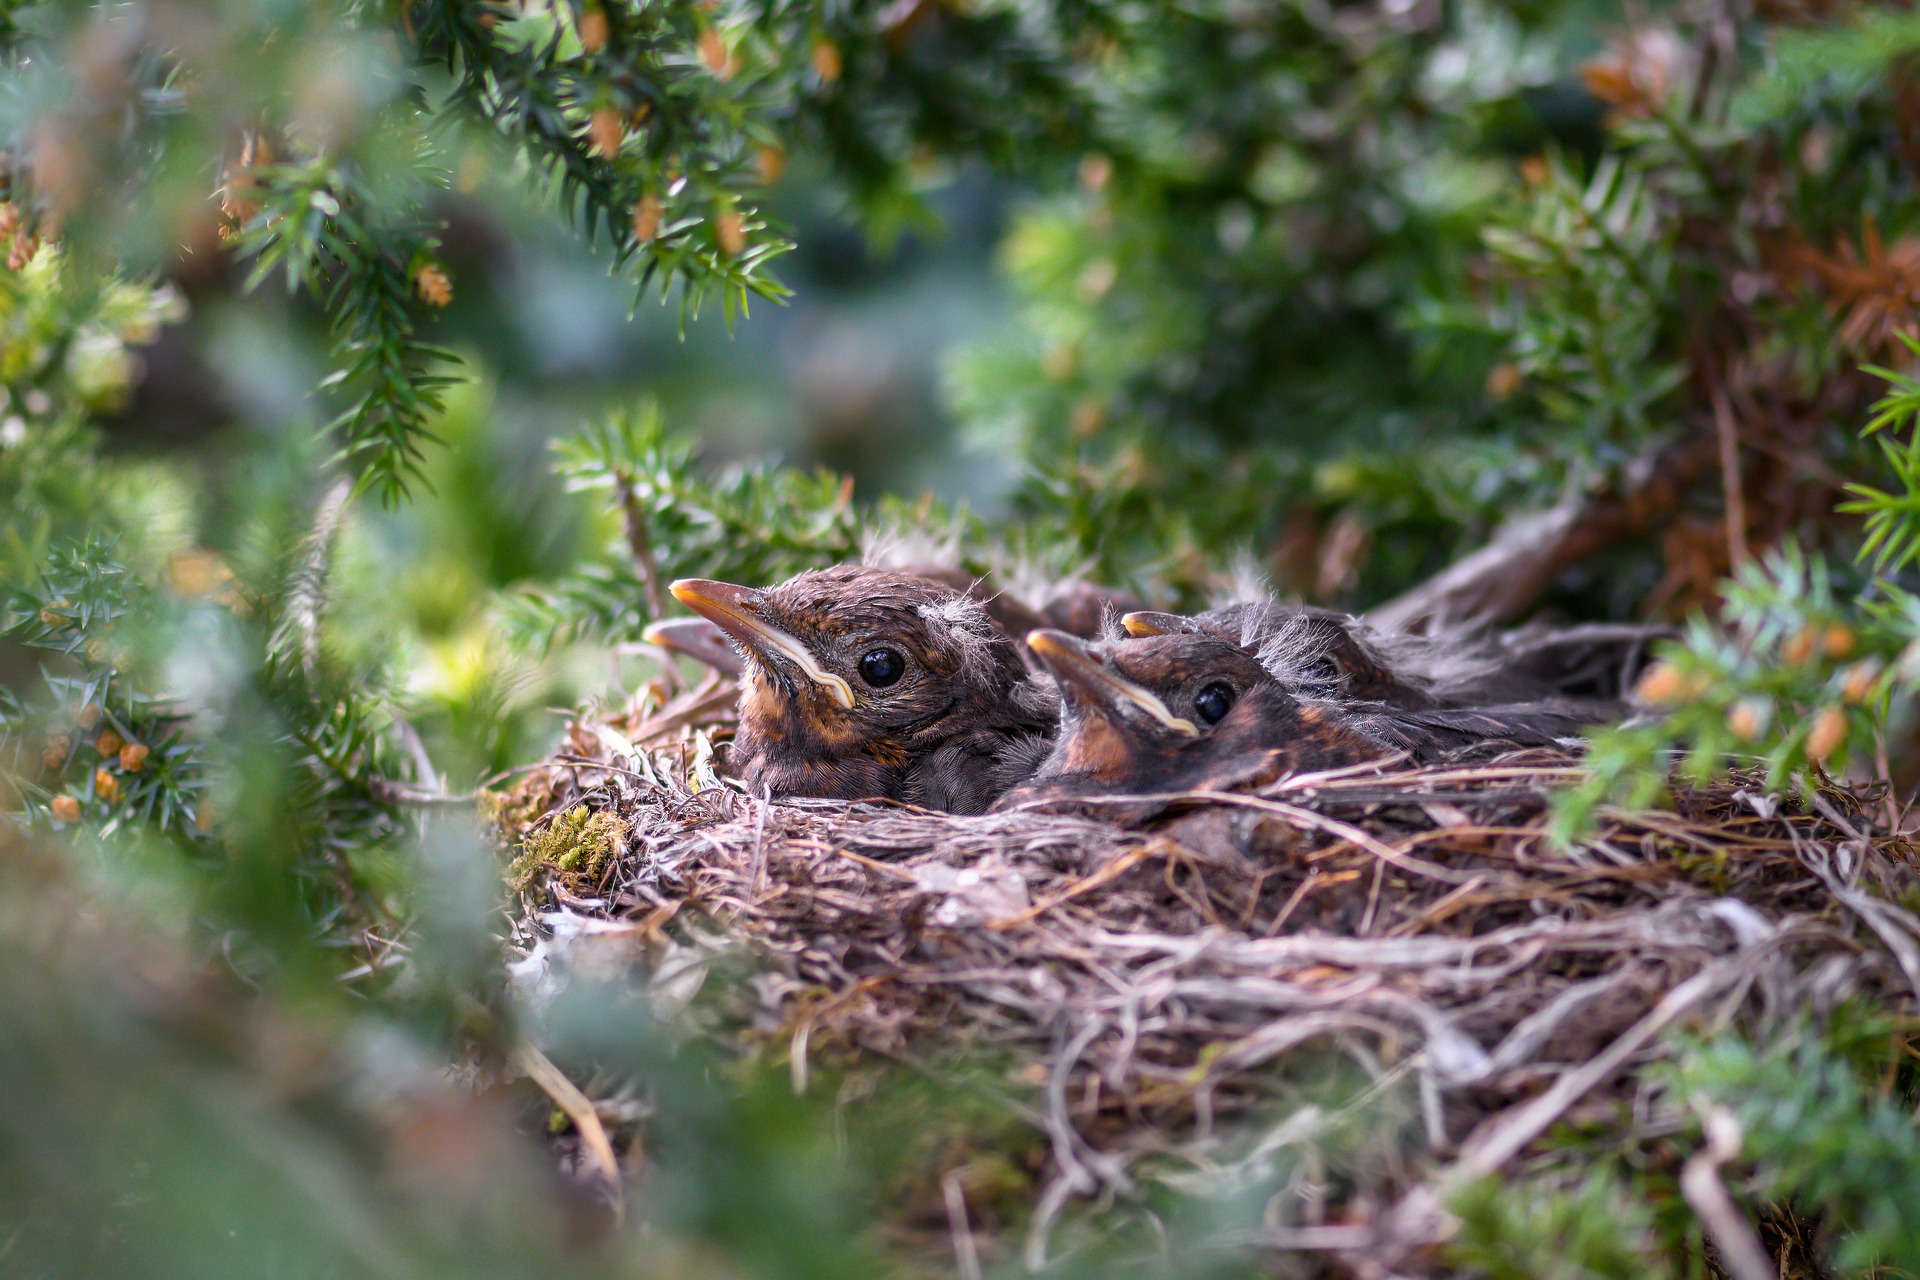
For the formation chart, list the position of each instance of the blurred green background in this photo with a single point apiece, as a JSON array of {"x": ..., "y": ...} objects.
[{"x": 846, "y": 375}]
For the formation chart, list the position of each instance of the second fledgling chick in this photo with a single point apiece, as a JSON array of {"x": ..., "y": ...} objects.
[
  {"x": 1189, "y": 711},
  {"x": 1178, "y": 713},
  {"x": 1344, "y": 657},
  {"x": 863, "y": 683},
  {"x": 1339, "y": 656}
]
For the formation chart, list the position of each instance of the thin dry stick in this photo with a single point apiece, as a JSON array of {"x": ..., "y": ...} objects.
[
  {"x": 1112, "y": 871},
  {"x": 1419, "y": 1218},
  {"x": 966, "y": 1257},
  {"x": 1347, "y": 831},
  {"x": 712, "y": 694},
  {"x": 1543, "y": 955},
  {"x": 579, "y": 1109},
  {"x": 640, "y": 544},
  {"x": 1741, "y": 1253}
]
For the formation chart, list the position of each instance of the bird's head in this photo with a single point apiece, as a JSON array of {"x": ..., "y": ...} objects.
[
  {"x": 1179, "y": 709},
  {"x": 853, "y": 665},
  {"x": 1130, "y": 708},
  {"x": 1318, "y": 653}
]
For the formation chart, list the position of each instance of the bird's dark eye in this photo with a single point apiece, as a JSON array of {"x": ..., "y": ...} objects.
[
  {"x": 1323, "y": 671},
  {"x": 881, "y": 667},
  {"x": 1213, "y": 702}
]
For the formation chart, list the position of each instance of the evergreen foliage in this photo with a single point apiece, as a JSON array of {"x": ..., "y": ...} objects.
[
  {"x": 1842, "y": 1146},
  {"x": 1324, "y": 293}
]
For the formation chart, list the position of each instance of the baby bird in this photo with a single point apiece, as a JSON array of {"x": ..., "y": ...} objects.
[
  {"x": 863, "y": 683},
  {"x": 1328, "y": 649},
  {"x": 1177, "y": 713},
  {"x": 1189, "y": 711},
  {"x": 1076, "y": 607},
  {"x": 1344, "y": 657}
]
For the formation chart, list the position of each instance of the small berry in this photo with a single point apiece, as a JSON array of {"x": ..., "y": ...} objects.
[
  {"x": 593, "y": 29},
  {"x": 1503, "y": 380},
  {"x": 109, "y": 743},
  {"x": 1097, "y": 281},
  {"x": 646, "y": 218},
  {"x": 1828, "y": 735},
  {"x": 1662, "y": 685},
  {"x": 66, "y": 809},
  {"x": 605, "y": 132},
  {"x": 105, "y": 785},
  {"x": 133, "y": 757},
  {"x": 87, "y": 715},
  {"x": 1839, "y": 640},
  {"x": 729, "y": 228},
  {"x": 713, "y": 52},
  {"x": 826, "y": 60},
  {"x": 772, "y": 162},
  {"x": 1861, "y": 677},
  {"x": 54, "y": 754},
  {"x": 1745, "y": 719},
  {"x": 433, "y": 286}
]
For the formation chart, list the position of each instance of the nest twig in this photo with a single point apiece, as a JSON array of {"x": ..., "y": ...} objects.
[{"x": 1154, "y": 975}]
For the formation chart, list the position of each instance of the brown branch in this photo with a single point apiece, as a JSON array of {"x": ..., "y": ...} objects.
[
  {"x": 1500, "y": 582},
  {"x": 580, "y": 1110},
  {"x": 640, "y": 544}
]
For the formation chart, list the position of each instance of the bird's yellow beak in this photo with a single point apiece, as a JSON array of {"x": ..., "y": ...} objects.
[
  {"x": 1142, "y": 624},
  {"x": 736, "y": 611},
  {"x": 1073, "y": 663}
]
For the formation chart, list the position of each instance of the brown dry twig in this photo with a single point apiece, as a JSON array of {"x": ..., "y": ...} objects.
[{"x": 1162, "y": 978}]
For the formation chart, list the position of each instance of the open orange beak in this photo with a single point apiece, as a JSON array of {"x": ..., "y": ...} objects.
[
  {"x": 1073, "y": 663},
  {"x": 737, "y": 611}
]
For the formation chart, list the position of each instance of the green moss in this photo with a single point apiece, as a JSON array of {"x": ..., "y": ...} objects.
[{"x": 575, "y": 847}]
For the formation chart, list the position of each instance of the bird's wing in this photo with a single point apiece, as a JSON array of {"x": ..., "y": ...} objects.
[
  {"x": 1431, "y": 734},
  {"x": 1596, "y": 660}
]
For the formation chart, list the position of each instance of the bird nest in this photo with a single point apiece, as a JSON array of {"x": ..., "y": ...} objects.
[{"x": 1153, "y": 981}]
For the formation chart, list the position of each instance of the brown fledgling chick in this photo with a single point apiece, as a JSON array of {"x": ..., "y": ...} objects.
[
  {"x": 1345, "y": 658},
  {"x": 1329, "y": 649},
  {"x": 865, "y": 683},
  {"x": 1586, "y": 660},
  {"x": 1178, "y": 713},
  {"x": 1429, "y": 736},
  {"x": 1189, "y": 711},
  {"x": 1077, "y": 608}
]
